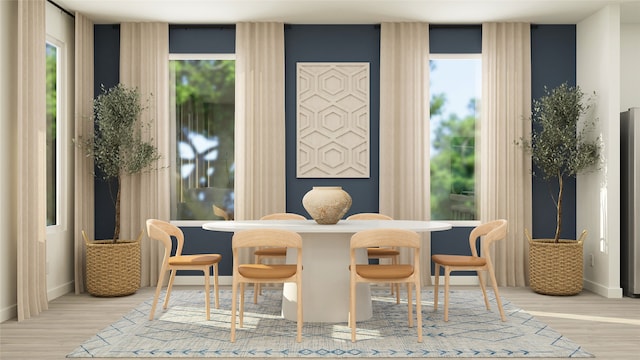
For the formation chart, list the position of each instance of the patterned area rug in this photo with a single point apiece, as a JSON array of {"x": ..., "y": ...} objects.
[{"x": 471, "y": 331}]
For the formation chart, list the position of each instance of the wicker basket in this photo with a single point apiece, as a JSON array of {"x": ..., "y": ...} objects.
[
  {"x": 112, "y": 269},
  {"x": 556, "y": 268}
]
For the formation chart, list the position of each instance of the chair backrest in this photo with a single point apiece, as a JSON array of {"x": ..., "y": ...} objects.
[
  {"x": 283, "y": 216},
  {"x": 266, "y": 237},
  {"x": 369, "y": 216},
  {"x": 163, "y": 231},
  {"x": 490, "y": 232},
  {"x": 385, "y": 238}
]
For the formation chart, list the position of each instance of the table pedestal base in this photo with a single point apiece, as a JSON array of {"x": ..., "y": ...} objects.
[{"x": 325, "y": 278}]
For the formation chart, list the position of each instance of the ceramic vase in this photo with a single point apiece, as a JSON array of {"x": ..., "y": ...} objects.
[{"x": 326, "y": 204}]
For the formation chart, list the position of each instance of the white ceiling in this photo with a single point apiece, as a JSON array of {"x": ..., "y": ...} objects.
[{"x": 346, "y": 11}]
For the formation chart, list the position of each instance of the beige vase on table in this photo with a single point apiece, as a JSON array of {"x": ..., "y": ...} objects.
[{"x": 326, "y": 204}]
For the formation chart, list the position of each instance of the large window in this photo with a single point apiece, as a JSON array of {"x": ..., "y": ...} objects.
[
  {"x": 203, "y": 97},
  {"x": 455, "y": 85},
  {"x": 52, "y": 132}
]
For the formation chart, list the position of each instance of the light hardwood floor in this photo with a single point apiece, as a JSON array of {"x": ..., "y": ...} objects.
[{"x": 608, "y": 328}]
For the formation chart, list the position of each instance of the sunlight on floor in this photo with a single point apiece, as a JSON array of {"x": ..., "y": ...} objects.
[{"x": 586, "y": 317}]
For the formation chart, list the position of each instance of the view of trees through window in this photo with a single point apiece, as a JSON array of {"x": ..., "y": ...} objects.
[
  {"x": 52, "y": 114},
  {"x": 455, "y": 95},
  {"x": 204, "y": 95}
]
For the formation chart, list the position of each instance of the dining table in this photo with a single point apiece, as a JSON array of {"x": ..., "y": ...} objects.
[{"x": 325, "y": 261}]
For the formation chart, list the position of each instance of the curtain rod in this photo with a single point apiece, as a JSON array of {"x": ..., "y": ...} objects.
[{"x": 61, "y": 8}]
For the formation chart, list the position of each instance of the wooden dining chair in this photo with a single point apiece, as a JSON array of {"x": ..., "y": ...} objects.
[
  {"x": 381, "y": 252},
  {"x": 489, "y": 233},
  {"x": 386, "y": 273},
  {"x": 264, "y": 253},
  {"x": 265, "y": 273},
  {"x": 163, "y": 231}
]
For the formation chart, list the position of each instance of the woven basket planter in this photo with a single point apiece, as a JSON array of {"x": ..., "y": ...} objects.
[
  {"x": 556, "y": 268},
  {"x": 112, "y": 269}
]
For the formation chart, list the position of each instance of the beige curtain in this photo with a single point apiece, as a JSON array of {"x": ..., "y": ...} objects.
[
  {"x": 259, "y": 120},
  {"x": 404, "y": 126},
  {"x": 83, "y": 176},
  {"x": 144, "y": 64},
  {"x": 31, "y": 162},
  {"x": 505, "y": 179}
]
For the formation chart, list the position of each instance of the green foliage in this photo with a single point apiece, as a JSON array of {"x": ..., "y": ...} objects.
[
  {"x": 560, "y": 144},
  {"x": 453, "y": 163},
  {"x": 117, "y": 146}
]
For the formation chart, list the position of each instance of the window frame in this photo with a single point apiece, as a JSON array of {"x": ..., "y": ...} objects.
[
  {"x": 463, "y": 56},
  {"x": 172, "y": 128}
]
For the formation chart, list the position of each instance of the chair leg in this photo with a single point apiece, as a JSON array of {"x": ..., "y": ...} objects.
[
  {"x": 157, "y": 295},
  {"x": 215, "y": 285},
  {"x": 242, "y": 288},
  {"x": 257, "y": 289},
  {"x": 419, "y": 310},
  {"x": 300, "y": 319},
  {"x": 447, "y": 272},
  {"x": 435, "y": 287},
  {"x": 495, "y": 291},
  {"x": 169, "y": 287},
  {"x": 484, "y": 289},
  {"x": 207, "y": 299},
  {"x": 234, "y": 306},
  {"x": 410, "y": 304},
  {"x": 352, "y": 308}
]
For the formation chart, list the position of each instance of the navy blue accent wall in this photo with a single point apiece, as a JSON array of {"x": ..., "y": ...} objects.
[
  {"x": 553, "y": 61},
  {"x": 204, "y": 39},
  {"x": 106, "y": 64},
  {"x": 332, "y": 43},
  {"x": 453, "y": 39}
]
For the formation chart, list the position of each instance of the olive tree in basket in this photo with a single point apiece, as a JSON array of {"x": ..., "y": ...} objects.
[
  {"x": 118, "y": 149},
  {"x": 561, "y": 146}
]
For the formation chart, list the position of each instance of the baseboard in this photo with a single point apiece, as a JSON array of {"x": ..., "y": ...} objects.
[
  {"x": 611, "y": 293},
  {"x": 8, "y": 313},
  {"x": 60, "y": 290}
]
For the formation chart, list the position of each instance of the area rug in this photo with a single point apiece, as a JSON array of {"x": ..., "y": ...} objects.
[{"x": 472, "y": 331}]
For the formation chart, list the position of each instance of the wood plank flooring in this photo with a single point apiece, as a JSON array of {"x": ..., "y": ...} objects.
[{"x": 608, "y": 328}]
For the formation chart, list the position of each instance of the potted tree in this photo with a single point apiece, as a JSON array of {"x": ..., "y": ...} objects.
[
  {"x": 560, "y": 146},
  {"x": 117, "y": 148}
]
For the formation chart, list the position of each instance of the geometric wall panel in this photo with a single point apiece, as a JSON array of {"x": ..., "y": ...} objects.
[{"x": 332, "y": 108}]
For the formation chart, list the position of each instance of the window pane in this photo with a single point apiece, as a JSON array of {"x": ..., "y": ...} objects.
[
  {"x": 52, "y": 102},
  {"x": 204, "y": 93},
  {"x": 455, "y": 96}
]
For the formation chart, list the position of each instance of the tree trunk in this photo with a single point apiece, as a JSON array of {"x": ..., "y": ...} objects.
[
  {"x": 559, "y": 208},
  {"x": 116, "y": 232}
]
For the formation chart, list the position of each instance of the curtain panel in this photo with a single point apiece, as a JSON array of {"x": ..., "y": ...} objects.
[
  {"x": 404, "y": 126},
  {"x": 260, "y": 182},
  {"x": 83, "y": 115},
  {"x": 505, "y": 178},
  {"x": 144, "y": 64},
  {"x": 31, "y": 163}
]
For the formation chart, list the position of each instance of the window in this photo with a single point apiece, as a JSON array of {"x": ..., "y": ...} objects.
[
  {"x": 52, "y": 132},
  {"x": 455, "y": 85},
  {"x": 203, "y": 103}
]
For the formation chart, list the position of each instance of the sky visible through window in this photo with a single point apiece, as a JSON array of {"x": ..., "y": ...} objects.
[{"x": 460, "y": 80}]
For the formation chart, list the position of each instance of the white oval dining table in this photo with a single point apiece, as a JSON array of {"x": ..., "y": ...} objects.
[{"x": 325, "y": 259}]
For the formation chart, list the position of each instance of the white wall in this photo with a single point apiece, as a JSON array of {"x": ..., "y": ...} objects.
[
  {"x": 8, "y": 113},
  {"x": 60, "y": 254},
  {"x": 598, "y": 208},
  {"x": 629, "y": 58}
]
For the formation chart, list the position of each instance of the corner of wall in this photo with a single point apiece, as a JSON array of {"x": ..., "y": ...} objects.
[{"x": 597, "y": 194}]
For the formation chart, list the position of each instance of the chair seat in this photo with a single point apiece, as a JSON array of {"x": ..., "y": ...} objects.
[
  {"x": 384, "y": 271},
  {"x": 376, "y": 252},
  {"x": 458, "y": 260},
  {"x": 264, "y": 271},
  {"x": 200, "y": 259},
  {"x": 271, "y": 251}
]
